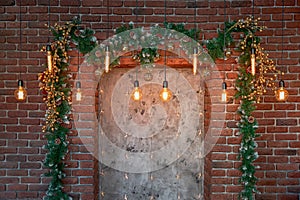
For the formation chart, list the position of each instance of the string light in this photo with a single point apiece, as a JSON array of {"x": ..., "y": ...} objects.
[
  {"x": 252, "y": 56},
  {"x": 224, "y": 86},
  {"x": 165, "y": 94},
  {"x": 136, "y": 95},
  {"x": 20, "y": 93},
  {"x": 78, "y": 93},
  {"x": 282, "y": 94},
  {"x": 195, "y": 50},
  {"x": 107, "y": 53}
]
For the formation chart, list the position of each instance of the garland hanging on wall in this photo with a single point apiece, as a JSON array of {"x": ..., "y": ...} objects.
[
  {"x": 56, "y": 89},
  {"x": 249, "y": 89}
]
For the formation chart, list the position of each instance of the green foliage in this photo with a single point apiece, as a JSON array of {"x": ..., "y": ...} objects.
[
  {"x": 58, "y": 102},
  {"x": 192, "y": 33},
  {"x": 247, "y": 126},
  {"x": 216, "y": 46}
]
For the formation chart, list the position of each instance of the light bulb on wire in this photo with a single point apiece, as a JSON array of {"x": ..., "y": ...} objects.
[
  {"x": 253, "y": 61},
  {"x": 224, "y": 92},
  {"x": 107, "y": 59},
  {"x": 281, "y": 94},
  {"x": 136, "y": 94},
  {"x": 165, "y": 93},
  {"x": 78, "y": 93},
  {"x": 49, "y": 57},
  {"x": 20, "y": 93},
  {"x": 195, "y": 60}
]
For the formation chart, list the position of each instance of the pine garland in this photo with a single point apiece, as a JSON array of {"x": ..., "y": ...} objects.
[
  {"x": 56, "y": 88},
  {"x": 249, "y": 90}
]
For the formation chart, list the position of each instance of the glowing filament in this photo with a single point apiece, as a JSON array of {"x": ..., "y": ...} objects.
[
  {"x": 165, "y": 94},
  {"x": 20, "y": 93},
  {"x": 49, "y": 57},
  {"x": 107, "y": 59},
  {"x": 253, "y": 61},
  {"x": 195, "y": 60}
]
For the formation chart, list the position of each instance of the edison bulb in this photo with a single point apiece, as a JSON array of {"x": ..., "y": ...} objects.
[
  {"x": 165, "y": 93},
  {"x": 281, "y": 94},
  {"x": 136, "y": 94},
  {"x": 49, "y": 57},
  {"x": 107, "y": 59},
  {"x": 224, "y": 93},
  {"x": 20, "y": 93},
  {"x": 253, "y": 61},
  {"x": 78, "y": 94},
  {"x": 195, "y": 60}
]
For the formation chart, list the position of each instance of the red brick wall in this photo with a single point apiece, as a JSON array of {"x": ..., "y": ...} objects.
[{"x": 21, "y": 139}]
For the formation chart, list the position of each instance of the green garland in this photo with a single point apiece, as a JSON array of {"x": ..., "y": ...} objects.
[
  {"x": 249, "y": 89},
  {"x": 146, "y": 56},
  {"x": 56, "y": 88}
]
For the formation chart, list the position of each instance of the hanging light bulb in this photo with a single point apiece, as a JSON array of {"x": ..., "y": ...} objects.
[
  {"x": 136, "y": 94},
  {"x": 78, "y": 91},
  {"x": 281, "y": 94},
  {"x": 20, "y": 93},
  {"x": 195, "y": 60},
  {"x": 224, "y": 93},
  {"x": 107, "y": 59},
  {"x": 253, "y": 61},
  {"x": 165, "y": 94},
  {"x": 49, "y": 57}
]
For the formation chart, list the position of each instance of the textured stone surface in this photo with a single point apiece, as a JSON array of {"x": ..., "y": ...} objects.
[{"x": 164, "y": 135}]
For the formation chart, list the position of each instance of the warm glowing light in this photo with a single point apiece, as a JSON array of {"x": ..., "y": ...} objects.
[
  {"x": 49, "y": 57},
  {"x": 20, "y": 93},
  {"x": 195, "y": 60},
  {"x": 165, "y": 94},
  {"x": 253, "y": 61},
  {"x": 107, "y": 59},
  {"x": 224, "y": 93},
  {"x": 281, "y": 94},
  {"x": 136, "y": 94},
  {"x": 78, "y": 94}
]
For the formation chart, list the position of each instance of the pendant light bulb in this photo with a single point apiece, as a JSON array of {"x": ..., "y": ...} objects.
[
  {"x": 165, "y": 94},
  {"x": 107, "y": 59},
  {"x": 253, "y": 62},
  {"x": 224, "y": 92},
  {"x": 136, "y": 94},
  {"x": 78, "y": 93},
  {"x": 20, "y": 93},
  {"x": 195, "y": 60},
  {"x": 49, "y": 57},
  {"x": 281, "y": 94}
]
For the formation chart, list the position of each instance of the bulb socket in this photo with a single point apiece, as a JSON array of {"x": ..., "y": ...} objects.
[
  {"x": 136, "y": 83},
  {"x": 252, "y": 50},
  {"x": 195, "y": 50},
  {"x": 281, "y": 83},
  {"x": 48, "y": 47},
  {"x": 165, "y": 84},
  {"x": 20, "y": 83},
  {"x": 107, "y": 48},
  {"x": 78, "y": 84},
  {"x": 224, "y": 86}
]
